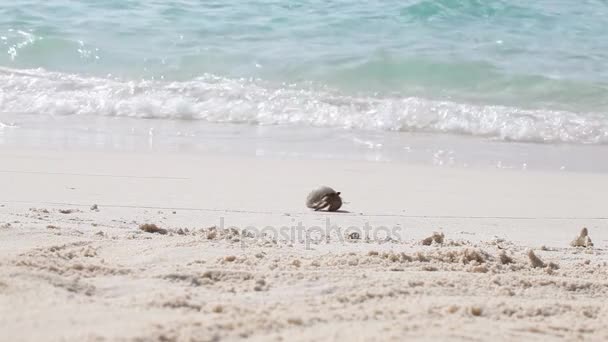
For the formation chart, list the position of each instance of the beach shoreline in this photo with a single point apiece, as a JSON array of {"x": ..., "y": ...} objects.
[{"x": 156, "y": 161}]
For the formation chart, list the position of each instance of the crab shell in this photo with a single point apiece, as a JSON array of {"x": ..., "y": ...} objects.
[{"x": 324, "y": 198}]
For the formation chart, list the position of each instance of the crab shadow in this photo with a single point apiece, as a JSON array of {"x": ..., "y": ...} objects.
[{"x": 337, "y": 211}]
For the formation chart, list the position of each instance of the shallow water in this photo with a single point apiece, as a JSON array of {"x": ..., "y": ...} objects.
[{"x": 509, "y": 71}]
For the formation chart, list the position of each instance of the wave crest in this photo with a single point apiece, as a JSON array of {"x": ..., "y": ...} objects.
[{"x": 223, "y": 100}]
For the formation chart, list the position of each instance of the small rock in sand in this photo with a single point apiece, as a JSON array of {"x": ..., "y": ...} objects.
[
  {"x": 295, "y": 321},
  {"x": 479, "y": 269},
  {"x": 504, "y": 258},
  {"x": 152, "y": 228},
  {"x": 582, "y": 240},
  {"x": 452, "y": 309},
  {"x": 536, "y": 262},
  {"x": 476, "y": 311},
  {"x": 94, "y": 207},
  {"x": 230, "y": 258},
  {"x": 66, "y": 211},
  {"x": 436, "y": 237},
  {"x": 260, "y": 284}
]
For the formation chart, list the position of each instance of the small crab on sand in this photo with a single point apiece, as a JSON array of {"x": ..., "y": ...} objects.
[{"x": 324, "y": 197}]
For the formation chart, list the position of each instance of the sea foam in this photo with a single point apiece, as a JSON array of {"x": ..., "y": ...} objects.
[{"x": 249, "y": 101}]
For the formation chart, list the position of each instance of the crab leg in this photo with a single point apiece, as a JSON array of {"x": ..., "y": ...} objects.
[{"x": 324, "y": 203}]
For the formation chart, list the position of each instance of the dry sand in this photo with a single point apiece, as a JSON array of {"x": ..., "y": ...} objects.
[{"x": 503, "y": 269}]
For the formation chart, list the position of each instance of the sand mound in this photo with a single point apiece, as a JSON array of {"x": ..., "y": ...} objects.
[
  {"x": 199, "y": 284},
  {"x": 536, "y": 262},
  {"x": 152, "y": 228},
  {"x": 582, "y": 240},
  {"x": 436, "y": 237}
]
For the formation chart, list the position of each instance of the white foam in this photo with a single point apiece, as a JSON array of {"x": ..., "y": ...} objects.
[{"x": 216, "y": 99}]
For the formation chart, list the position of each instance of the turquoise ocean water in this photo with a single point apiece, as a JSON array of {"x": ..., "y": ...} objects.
[{"x": 515, "y": 71}]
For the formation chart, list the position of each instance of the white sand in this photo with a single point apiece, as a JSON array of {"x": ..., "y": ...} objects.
[{"x": 92, "y": 274}]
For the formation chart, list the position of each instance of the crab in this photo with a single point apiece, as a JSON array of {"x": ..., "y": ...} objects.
[{"x": 324, "y": 198}]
